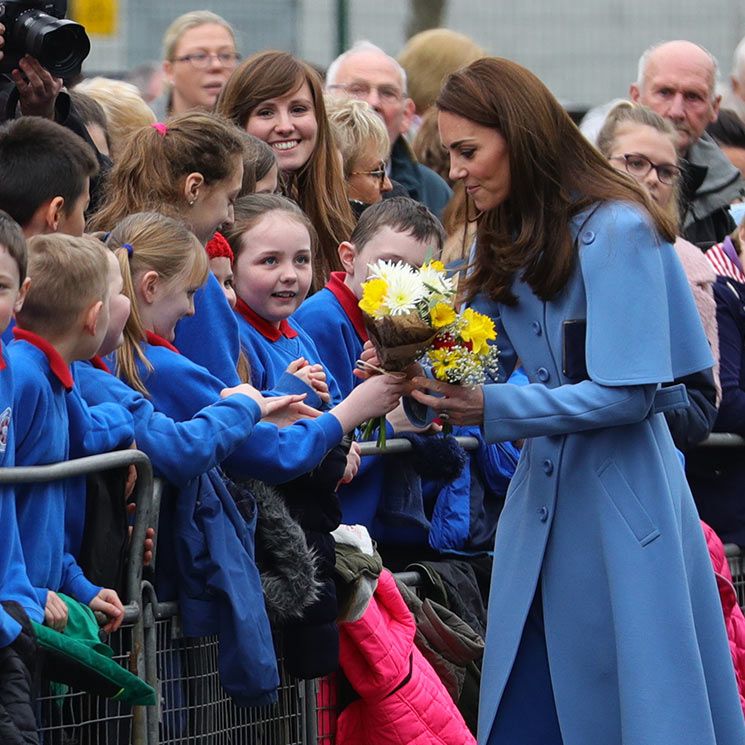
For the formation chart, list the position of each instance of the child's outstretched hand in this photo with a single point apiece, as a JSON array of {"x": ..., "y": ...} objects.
[
  {"x": 270, "y": 406},
  {"x": 108, "y": 603},
  {"x": 375, "y": 397},
  {"x": 55, "y": 612},
  {"x": 314, "y": 376}
]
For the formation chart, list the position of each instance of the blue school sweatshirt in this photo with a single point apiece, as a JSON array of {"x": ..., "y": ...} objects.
[
  {"x": 270, "y": 350},
  {"x": 179, "y": 451},
  {"x": 179, "y": 388},
  {"x": 48, "y": 412},
  {"x": 210, "y": 337},
  {"x": 14, "y": 582},
  {"x": 333, "y": 320}
]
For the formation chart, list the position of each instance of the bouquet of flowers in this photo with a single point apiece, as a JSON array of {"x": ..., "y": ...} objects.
[{"x": 410, "y": 313}]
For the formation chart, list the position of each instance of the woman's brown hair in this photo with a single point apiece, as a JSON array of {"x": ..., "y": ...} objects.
[
  {"x": 149, "y": 174},
  {"x": 318, "y": 186},
  {"x": 554, "y": 174}
]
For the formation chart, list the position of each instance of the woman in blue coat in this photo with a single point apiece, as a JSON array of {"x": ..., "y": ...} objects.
[{"x": 604, "y": 623}]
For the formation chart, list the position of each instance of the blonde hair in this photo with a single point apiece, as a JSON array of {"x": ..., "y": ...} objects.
[
  {"x": 68, "y": 274},
  {"x": 157, "y": 243},
  {"x": 428, "y": 148},
  {"x": 152, "y": 169},
  {"x": 355, "y": 126},
  {"x": 429, "y": 57},
  {"x": 626, "y": 112},
  {"x": 125, "y": 109},
  {"x": 185, "y": 23}
]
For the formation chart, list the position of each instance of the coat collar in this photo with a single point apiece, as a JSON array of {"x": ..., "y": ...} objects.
[
  {"x": 158, "y": 341},
  {"x": 348, "y": 302},
  {"x": 263, "y": 326},
  {"x": 60, "y": 369}
]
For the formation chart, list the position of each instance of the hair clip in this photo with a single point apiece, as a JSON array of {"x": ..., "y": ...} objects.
[
  {"x": 105, "y": 236},
  {"x": 160, "y": 128},
  {"x": 129, "y": 248}
]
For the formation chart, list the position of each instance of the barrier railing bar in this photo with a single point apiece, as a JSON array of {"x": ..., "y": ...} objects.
[
  {"x": 401, "y": 445},
  {"x": 722, "y": 440}
]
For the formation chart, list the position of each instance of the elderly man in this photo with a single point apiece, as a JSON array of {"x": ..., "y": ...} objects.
[
  {"x": 677, "y": 79},
  {"x": 367, "y": 72}
]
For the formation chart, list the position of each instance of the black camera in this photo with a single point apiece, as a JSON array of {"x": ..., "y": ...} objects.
[{"x": 39, "y": 28}]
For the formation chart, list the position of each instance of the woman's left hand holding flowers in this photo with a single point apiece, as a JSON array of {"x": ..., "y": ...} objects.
[{"x": 457, "y": 404}]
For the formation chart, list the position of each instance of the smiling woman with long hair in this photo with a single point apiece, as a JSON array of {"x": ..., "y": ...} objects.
[
  {"x": 279, "y": 99},
  {"x": 604, "y": 623}
]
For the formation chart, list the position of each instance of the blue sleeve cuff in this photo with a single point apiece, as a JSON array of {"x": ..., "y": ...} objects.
[
  {"x": 290, "y": 384},
  {"x": 332, "y": 429}
]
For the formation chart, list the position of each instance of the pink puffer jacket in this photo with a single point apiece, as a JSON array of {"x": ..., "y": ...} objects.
[
  {"x": 733, "y": 617},
  {"x": 402, "y": 700}
]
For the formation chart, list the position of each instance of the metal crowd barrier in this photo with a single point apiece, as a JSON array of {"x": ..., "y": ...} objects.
[
  {"x": 73, "y": 717},
  {"x": 192, "y": 705}
]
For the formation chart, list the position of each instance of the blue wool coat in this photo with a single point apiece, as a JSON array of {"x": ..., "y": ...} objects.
[{"x": 599, "y": 512}]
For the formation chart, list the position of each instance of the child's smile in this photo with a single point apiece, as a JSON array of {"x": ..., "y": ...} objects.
[{"x": 273, "y": 268}]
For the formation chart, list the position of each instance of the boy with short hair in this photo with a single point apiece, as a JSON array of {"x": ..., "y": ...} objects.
[
  {"x": 64, "y": 318},
  {"x": 396, "y": 229},
  {"x": 18, "y": 600},
  {"x": 46, "y": 172}
]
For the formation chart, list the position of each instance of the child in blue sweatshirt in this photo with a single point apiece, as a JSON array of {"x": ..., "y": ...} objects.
[
  {"x": 18, "y": 601},
  {"x": 194, "y": 166},
  {"x": 397, "y": 229},
  {"x": 51, "y": 420},
  {"x": 160, "y": 278}
]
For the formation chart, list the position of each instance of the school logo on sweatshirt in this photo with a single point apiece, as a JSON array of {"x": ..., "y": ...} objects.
[{"x": 4, "y": 427}]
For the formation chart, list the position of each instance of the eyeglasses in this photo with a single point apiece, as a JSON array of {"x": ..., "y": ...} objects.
[
  {"x": 201, "y": 60},
  {"x": 386, "y": 93},
  {"x": 379, "y": 173},
  {"x": 639, "y": 166}
]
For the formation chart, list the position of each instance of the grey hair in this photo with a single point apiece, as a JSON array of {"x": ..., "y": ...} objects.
[
  {"x": 644, "y": 61},
  {"x": 187, "y": 21},
  {"x": 362, "y": 46},
  {"x": 738, "y": 60}
]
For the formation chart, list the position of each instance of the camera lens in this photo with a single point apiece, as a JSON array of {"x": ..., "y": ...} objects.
[{"x": 59, "y": 45}]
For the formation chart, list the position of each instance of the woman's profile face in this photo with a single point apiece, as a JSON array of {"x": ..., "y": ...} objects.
[
  {"x": 288, "y": 125},
  {"x": 655, "y": 148},
  {"x": 479, "y": 157}
]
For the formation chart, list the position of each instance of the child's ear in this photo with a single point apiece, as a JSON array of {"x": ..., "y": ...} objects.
[
  {"x": 46, "y": 218},
  {"x": 92, "y": 317},
  {"x": 347, "y": 252},
  {"x": 192, "y": 185},
  {"x": 22, "y": 292},
  {"x": 148, "y": 285}
]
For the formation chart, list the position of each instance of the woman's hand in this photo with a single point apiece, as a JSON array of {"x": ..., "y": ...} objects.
[
  {"x": 459, "y": 404},
  {"x": 314, "y": 376}
]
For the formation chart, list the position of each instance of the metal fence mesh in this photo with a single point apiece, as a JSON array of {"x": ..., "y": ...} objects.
[
  {"x": 72, "y": 717},
  {"x": 195, "y": 709}
]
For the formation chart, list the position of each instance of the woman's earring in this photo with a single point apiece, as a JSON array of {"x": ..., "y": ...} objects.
[{"x": 191, "y": 202}]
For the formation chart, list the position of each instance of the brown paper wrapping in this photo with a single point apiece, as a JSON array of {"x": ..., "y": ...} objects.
[{"x": 399, "y": 340}]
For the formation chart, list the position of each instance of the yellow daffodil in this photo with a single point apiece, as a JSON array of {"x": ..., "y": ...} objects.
[
  {"x": 435, "y": 265},
  {"x": 442, "y": 361},
  {"x": 374, "y": 292},
  {"x": 478, "y": 329},
  {"x": 442, "y": 315}
]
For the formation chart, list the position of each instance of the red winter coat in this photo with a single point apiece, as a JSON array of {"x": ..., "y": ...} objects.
[
  {"x": 403, "y": 702},
  {"x": 734, "y": 619}
]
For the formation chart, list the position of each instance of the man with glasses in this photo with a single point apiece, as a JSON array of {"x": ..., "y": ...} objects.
[
  {"x": 368, "y": 73},
  {"x": 677, "y": 79}
]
